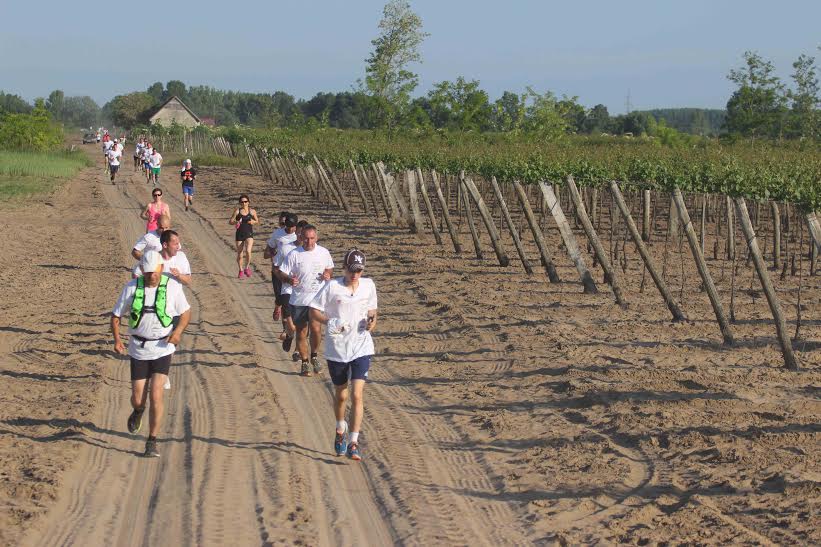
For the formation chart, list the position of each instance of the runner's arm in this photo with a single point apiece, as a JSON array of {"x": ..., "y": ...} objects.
[
  {"x": 371, "y": 321},
  {"x": 327, "y": 274},
  {"x": 185, "y": 279},
  {"x": 181, "y": 325},
  {"x": 144, "y": 214},
  {"x": 254, "y": 219},
  {"x": 233, "y": 219},
  {"x": 136, "y": 254},
  {"x": 119, "y": 347},
  {"x": 267, "y": 252}
]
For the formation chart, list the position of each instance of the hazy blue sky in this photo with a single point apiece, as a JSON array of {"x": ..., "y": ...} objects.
[{"x": 667, "y": 53}]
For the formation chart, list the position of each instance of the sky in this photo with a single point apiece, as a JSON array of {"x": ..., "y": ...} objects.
[{"x": 664, "y": 53}]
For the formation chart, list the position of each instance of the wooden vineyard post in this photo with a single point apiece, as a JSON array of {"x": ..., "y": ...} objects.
[
  {"x": 698, "y": 255},
  {"x": 730, "y": 229},
  {"x": 552, "y": 274},
  {"x": 416, "y": 224},
  {"x": 337, "y": 186},
  {"x": 335, "y": 191},
  {"x": 569, "y": 239},
  {"x": 645, "y": 255},
  {"x": 428, "y": 206},
  {"x": 443, "y": 204},
  {"x": 593, "y": 237},
  {"x": 815, "y": 232},
  {"x": 761, "y": 268},
  {"x": 469, "y": 215},
  {"x": 359, "y": 186},
  {"x": 509, "y": 221},
  {"x": 501, "y": 255},
  {"x": 645, "y": 217},
  {"x": 776, "y": 235},
  {"x": 380, "y": 187},
  {"x": 367, "y": 184}
]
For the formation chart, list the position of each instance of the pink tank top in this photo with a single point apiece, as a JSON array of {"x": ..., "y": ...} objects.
[{"x": 154, "y": 216}]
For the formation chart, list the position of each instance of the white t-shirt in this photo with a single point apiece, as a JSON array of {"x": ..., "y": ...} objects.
[
  {"x": 273, "y": 242},
  {"x": 150, "y": 241},
  {"x": 156, "y": 159},
  {"x": 147, "y": 154},
  {"x": 150, "y": 326},
  {"x": 107, "y": 146},
  {"x": 138, "y": 150},
  {"x": 114, "y": 156},
  {"x": 283, "y": 252},
  {"x": 349, "y": 311},
  {"x": 178, "y": 261},
  {"x": 307, "y": 267}
]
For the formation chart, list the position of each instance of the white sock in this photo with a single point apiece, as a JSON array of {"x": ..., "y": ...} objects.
[
  {"x": 340, "y": 426},
  {"x": 354, "y": 437}
]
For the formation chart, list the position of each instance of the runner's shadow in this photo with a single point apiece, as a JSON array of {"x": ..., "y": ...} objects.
[{"x": 45, "y": 377}]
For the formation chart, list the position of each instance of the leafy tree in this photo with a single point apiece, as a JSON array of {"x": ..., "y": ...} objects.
[
  {"x": 507, "y": 112},
  {"x": 131, "y": 109},
  {"x": 544, "y": 117},
  {"x": 573, "y": 112},
  {"x": 805, "y": 120},
  {"x": 35, "y": 131},
  {"x": 757, "y": 108},
  {"x": 460, "y": 105},
  {"x": 597, "y": 120},
  {"x": 55, "y": 104},
  {"x": 80, "y": 112},
  {"x": 13, "y": 104},
  {"x": 175, "y": 88},
  {"x": 156, "y": 91},
  {"x": 397, "y": 46}
]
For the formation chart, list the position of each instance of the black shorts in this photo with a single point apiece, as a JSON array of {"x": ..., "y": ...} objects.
[
  {"x": 355, "y": 370},
  {"x": 300, "y": 315},
  {"x": 142, "y": 370},
  {"x": 242, "y": 235},
  {"x": 284, "y": 300},
  {"x": 114, "y": 168}
]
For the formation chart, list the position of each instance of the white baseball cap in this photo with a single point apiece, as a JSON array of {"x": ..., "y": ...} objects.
[{"x": 151, "y": 261}]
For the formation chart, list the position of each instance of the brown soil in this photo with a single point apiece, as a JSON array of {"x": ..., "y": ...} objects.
[{"x": 502, "y": 409}]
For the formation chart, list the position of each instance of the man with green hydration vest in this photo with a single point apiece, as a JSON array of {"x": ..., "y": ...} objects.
[{"x": 150, "y": 302}]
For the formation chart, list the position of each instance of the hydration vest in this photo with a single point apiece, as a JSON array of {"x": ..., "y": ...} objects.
[{"x": 138, "y": 307}]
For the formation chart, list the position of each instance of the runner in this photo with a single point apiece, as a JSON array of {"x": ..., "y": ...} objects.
[
  {"x": 187, "y": 175},
  {"x": 244, "y": 219},
  {"x": 175, "y": 263},
  {"x": 138, "y": 153},
  {"x": 156, "y": 164},
  {"x": 282, "y": 291},
  {"x": 153, "y": 340},
  {"x": 151, "y": 240},
  {"x": 154, "y": 210},
  {"x": 271, "y": 250},
  {"x": 107, "y": 144},
  {"x": 348, "y": 306},
  {"x": 307, "y": 268},
  {"x": 113, "y": 157},
  {"x": 147, "y": 160}
]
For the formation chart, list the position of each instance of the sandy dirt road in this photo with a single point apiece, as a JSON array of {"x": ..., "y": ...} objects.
[{"x": 501, "y": 409}]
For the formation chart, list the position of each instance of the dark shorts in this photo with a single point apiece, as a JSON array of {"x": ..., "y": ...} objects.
[
  {"x": 284, "y": 300},
  {"x": 355, "y": 370},
  {"x": 300, "y": 315},
  {"x": 114, "y": 168},
  {"x": 187, "y": 190},
  {"x": 142, "y": 370}
]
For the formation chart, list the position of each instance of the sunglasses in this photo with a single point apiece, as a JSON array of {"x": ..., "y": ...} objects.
[
  {"x": 156, "y": 195},
  {"x": 243, "y": 201}
]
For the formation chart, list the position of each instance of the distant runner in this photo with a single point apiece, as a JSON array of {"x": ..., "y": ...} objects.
[
  {"x": 348, "y": 306},
  {"x": 153, "y": 340},
  {"x": 271, "y": 250},
  {"x": 113, "y": 156},
  {"x": 154, "y": 210},
  {"x": 138, "y": 153},
  {"x": 187, "y": 175},
  {"x": 107, "y": 144},
  {"x": 282, "y": 291},
  {"x": 307, "y": 269},
  {"x": 244, "y": 219},
  {"x": 156, "y": 164}
]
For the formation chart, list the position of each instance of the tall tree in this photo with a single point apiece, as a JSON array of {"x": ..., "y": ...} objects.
[
  {"x": 507, "y": 112},
  {"x": 805, "y": 99},
  {"x": 388, "y": 78},
  {"x": 13, "y": 104},
  {"x": 175, "y": 88},
  {"x": 460, "y": 105},
  {"x": 597, "y": 120},
  {"x": 81, "y": 112},
  {"x": 129, "y": 110},
  {"x": 55, "y": 104},
  {"x": 156, "y": 90},
  {"x": 758, "y": 107}
]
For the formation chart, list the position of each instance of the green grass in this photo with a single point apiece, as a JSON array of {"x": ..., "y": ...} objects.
[
  {"x": 206, "y": 160},
  {"x": 23, "y": 174}
]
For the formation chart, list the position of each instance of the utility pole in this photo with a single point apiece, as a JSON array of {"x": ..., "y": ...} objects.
[{"x": 627, "y": 105}]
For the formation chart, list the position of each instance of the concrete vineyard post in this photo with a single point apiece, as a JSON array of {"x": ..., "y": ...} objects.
[
  {"x": 698, "y": 256},
  {"x": 772, "y": 299},
  {"x": 568, "y": 237},
  {"x": 547, "y": 262},
  {"x": 509, "y": 221},
  {"x": 443, "y": 204},
  {"x": 416, "y": 224},
  {"x": 645, "y": 217},
  {"x": 609, "y": 273},
  {"x": 776, "y": 235},
  {"x": 730, "y": 229},
  {"x": 672, "y": 305},
  {"x": 380, "y": 187},
  {"x": 487, "y": 218},
  {"x": 428, "y": 206}
]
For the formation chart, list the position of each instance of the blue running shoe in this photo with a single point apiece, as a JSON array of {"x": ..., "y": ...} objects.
[
  {"x": 353, "y": 452},
  {"x": 341, "y": 442}
]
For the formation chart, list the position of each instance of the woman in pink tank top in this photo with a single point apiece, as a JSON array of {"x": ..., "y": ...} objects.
[{"x": 154, "y": 210}]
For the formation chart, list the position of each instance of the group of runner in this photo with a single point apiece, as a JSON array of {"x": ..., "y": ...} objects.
[
  {"x": 307, "y": 297},
  {"x": 149, "y": 159},
  {"x": 112, "y": 152}
]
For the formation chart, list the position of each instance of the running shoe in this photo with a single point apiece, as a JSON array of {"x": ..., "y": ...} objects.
[
  {"x": 353, "y": 452},
  {"x": 341, "y": 442},
  {"x": 135, "y": 421},
  {"x": 151, "y": 449},
  {"x": 241, "y": 274},
  {"x": 317, "y": 365},
  {"x": 247, "y": 272},
  {"x": 286, "y": 343},
  {"x": 295, "y": 356},
  {"x": 306, "y": 369}
]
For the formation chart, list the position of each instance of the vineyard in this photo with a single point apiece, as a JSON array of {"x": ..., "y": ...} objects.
[{"x": 599, "y": 197}]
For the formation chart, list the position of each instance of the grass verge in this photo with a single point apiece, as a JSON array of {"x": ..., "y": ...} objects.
[{"x": 23, "y": 174}]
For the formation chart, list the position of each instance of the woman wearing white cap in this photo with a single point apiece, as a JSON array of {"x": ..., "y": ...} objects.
[
  {"x": 348, "y": 306},
  {"x": 151, "y": 302}
]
